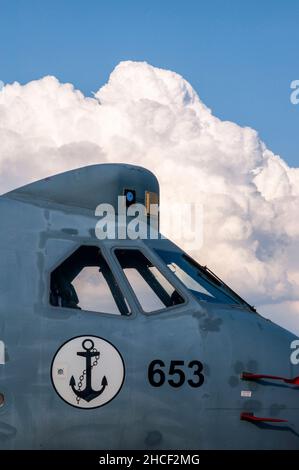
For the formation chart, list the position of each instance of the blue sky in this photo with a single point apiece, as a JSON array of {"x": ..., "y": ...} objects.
[{"x": 240, "y": 56}]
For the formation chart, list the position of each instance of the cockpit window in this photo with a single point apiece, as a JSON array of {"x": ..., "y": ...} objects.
[
  {"x": 85, "y": 281},
  {"x": 199, "y": 280},
  {"x": 153, "y": 291}
]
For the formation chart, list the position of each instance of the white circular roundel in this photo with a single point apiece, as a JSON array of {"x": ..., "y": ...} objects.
[{"x": 87, "y": 371}]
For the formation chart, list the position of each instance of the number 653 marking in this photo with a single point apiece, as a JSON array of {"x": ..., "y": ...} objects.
[{"x": 157, "y": 375}]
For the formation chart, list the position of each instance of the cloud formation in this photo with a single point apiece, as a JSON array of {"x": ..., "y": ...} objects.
[{"x": 153, "y": 117}]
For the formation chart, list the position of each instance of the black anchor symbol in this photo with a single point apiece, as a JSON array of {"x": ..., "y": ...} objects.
[{"x": 88, "y": 393}]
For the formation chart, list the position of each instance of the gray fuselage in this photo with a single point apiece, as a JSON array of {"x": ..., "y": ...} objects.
[{"x": 37, "y": 234}]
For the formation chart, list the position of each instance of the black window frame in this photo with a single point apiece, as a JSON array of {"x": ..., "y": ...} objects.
[
  {"x": 166, "y": 273},
  {"x": 90, "y": 243}
]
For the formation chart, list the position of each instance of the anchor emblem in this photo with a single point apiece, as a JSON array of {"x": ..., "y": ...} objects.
[{"x": 88, "y": 393}]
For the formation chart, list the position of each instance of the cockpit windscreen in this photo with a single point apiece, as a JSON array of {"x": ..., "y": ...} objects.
[{"x": 203, "y": 284}]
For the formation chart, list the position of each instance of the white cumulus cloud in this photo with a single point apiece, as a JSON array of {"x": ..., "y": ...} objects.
[{"x": 154, "y": 118}]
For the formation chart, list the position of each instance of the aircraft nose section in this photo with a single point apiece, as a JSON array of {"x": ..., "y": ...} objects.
[{"x": 275, "y": 385}]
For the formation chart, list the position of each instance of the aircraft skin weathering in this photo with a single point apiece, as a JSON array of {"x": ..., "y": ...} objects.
[{"x": 128, "y": 344}]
